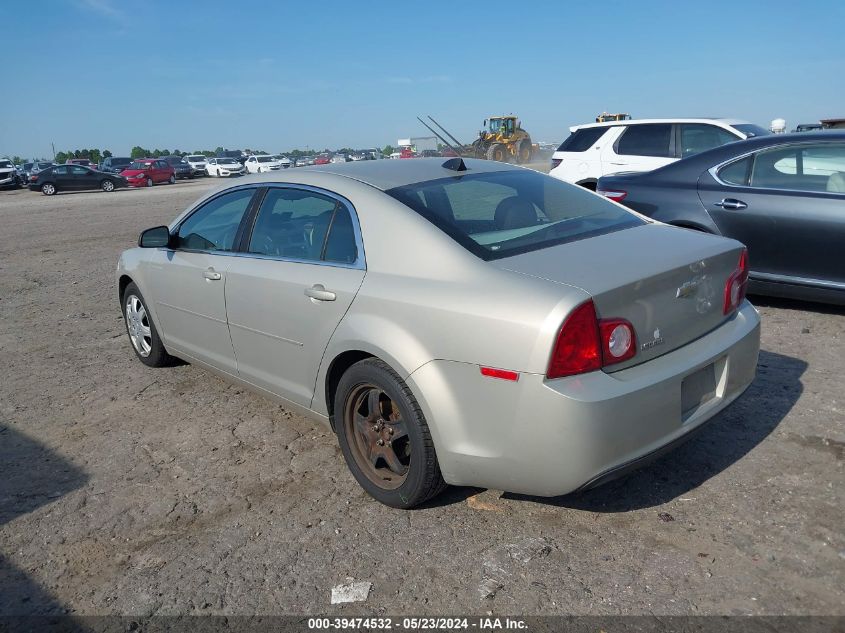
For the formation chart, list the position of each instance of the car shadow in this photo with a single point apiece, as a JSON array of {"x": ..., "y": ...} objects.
[
  {"x": 33, "y": 476},
  {"x": 725, "y": 440},
  {"x": 797, "y": 304}
]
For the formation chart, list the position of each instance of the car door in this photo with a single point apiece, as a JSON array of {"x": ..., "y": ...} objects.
[
  {"x": 188, "y": 280},
  {"x": 302, "y": 266},
  {"x": 787, "y": 205},
  {"x": 82, "y": 178},
  {"x": 251, "y": 164},
  {"x": 62, "y": 177},
  {"x": 641, "y": 147}
]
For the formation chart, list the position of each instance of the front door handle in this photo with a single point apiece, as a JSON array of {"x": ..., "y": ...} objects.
[
  {"x": 319, "y": 292},
  {"x": 731, "y": 203},
  {"x": 212, "y": 275}
]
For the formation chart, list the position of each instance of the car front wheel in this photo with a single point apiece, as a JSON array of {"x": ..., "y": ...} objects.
[
  {"x": 149, "y": 182},
  {"x": 384, "y": 436},
  {"x": 141, "y": 329},
  {"x": 107, "y": 185}
]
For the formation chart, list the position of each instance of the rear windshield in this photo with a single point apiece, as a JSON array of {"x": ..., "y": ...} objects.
[
  {"x": 121, "y": 161},
  {"x": 582, "y": 140},
  {"x": 500, "y": 214},
  {"x": 140, "y": 165},
  {"x": 751, "y": 130}
]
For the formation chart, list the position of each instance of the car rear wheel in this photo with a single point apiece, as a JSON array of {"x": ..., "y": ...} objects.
[
  {"x": 384, "y": 436},
  {"x": 142, "y": 331},
  {"x": 107, "y": 185},
  {"x": 48, "y": 189},
  {"x": 172, "y": 179}
]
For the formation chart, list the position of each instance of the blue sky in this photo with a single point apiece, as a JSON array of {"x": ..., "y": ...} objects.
[{"x": 277, "y": 75}]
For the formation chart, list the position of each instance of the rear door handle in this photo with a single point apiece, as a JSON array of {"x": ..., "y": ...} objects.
[
  {"x": 212, "y": 275},
  {"x": 319, "y": 292},
  {"x": 731, "y": 203}
]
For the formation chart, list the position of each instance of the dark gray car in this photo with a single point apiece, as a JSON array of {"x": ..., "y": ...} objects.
[
  {"x": 181, "y": 167},
  {"x": 783, "y": 196}
]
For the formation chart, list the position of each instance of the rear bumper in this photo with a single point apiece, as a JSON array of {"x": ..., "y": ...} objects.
[{"x": 551, "y": 437}]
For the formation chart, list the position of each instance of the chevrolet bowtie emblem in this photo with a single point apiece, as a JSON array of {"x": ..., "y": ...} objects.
[{"x": 687, "y": 290}]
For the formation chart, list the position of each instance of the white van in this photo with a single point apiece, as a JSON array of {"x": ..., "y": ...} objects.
[{"x": 598, "y": 149}]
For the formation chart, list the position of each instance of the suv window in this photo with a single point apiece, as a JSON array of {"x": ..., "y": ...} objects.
[
  {"x": 213, "y": 226},
  {"x": 582, "y": 140},
  {"x": 648, "y": 139},
  {"x": 293, "y": 223},
  {"x": 801, "y": 168},
  {"x": 698, "y": 137}
]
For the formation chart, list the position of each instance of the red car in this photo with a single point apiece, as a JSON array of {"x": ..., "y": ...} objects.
[
  {"x": 407, "y": 152},
  {"x": 145, "y": 172},
  {"x": 323, "y": 159}
]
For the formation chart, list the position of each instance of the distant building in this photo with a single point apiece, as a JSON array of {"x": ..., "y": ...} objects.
[
  {"x": 419, "y": 143},
  {"x": 833, "y": 124}
]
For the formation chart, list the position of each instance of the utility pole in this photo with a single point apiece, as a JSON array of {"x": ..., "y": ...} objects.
[{"x": 54, "y": 151}]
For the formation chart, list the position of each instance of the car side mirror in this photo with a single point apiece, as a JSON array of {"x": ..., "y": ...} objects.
[{"x": 156, "y": 237}]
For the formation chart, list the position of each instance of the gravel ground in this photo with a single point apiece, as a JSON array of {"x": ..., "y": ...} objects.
[{"x": 128, "y": 490}]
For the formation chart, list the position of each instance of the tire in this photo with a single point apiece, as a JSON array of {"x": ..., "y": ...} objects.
[
  {"x": 149, "y": 182},
  {"x": 141, "y": 330},
  {"x": 172, "y": 179},
  {"x": 394, "y": 418},
  {"x": 497, "y": 152},
  {"x": 107, "y": 185},
  {"x": 48, "y": 189},
  {"x": 523, "y": 151}
]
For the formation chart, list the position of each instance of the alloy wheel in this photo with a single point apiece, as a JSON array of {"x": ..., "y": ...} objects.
[{"x": 138, "y": 324}]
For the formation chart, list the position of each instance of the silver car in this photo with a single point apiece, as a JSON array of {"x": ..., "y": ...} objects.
[{"x": 455, "y": 322}]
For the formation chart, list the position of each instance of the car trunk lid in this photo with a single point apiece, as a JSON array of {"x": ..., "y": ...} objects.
[{"x": 668, "y": 282}]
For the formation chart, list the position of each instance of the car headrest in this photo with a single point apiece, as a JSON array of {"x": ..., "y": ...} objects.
[
  {"x": 836, "y": 182},
  {"x": 514, "y": 213}
]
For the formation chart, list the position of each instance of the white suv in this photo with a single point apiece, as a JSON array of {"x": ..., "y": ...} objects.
[{"x": 599, "y": 149}]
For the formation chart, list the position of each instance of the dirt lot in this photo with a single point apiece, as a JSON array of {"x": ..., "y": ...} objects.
[{"x": 130, "y": 490}]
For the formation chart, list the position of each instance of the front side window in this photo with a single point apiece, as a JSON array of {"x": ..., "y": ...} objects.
[
  {"x": 801, "y": 168},
  {"x": 648, "y": 139},
  {"x": 500, "y": 214},
  {"x": 699, "y": 137},
  {"x": 213, "y": 227},
  {"x": 294, "y": 223},
  {"x": 79, "y": 171}
]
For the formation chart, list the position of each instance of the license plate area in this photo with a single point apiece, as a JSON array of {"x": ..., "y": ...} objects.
[{"x": 697, "y": 390}]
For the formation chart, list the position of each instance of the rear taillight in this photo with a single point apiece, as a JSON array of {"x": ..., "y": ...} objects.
[
  {"x": 736, "y": 284},
  {"x": 616, "y": 196},
  {"x": 586, "y": 343},
  {"x": 556, "y": 162}
]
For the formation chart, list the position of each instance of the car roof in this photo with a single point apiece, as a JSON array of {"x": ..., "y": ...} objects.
[
  {"x": 722, "y": 120},
  {"x": 387, "y": 174}
]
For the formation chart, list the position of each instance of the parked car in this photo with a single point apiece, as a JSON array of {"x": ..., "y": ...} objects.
[
  {"x": 284, "y": 161},
  {"x": 510, "y": 291},
  {"x": 322, "y": 159},
  {"x": 197, "y": 163},
  {"x": 81, "y": 161},
  {"x": 181, "y": 168},
  {"x": 38, "y": 167},
  {"x": 115, "y": 164},
  {"x": 257, "y": 164},
  {"x": 598, "y": 149},
  {"x": 407, "y": 152},
  {"x": 340, "y": 158},
  {"x": 224, "y": 167},
  {"x": 8, "y": 174},
  {"x": 146, "y": 172},
  {"x": 304, "y": 161},
  {"x": 783, "y": 196},
  {"x": 74, "y": 178},
  {"x": 237, "y": 154}
]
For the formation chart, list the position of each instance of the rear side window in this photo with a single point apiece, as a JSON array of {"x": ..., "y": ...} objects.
[
  {"x": 648, "y": 139},
  {"x": 500, "y": 214},
  {"x": 699, "y": 137},
  {"x": 213, "y": 227},
  {"x": 295, "y": 223},
  {"x": 736, "y": 173},
  {"x": 582, "y": 140}
]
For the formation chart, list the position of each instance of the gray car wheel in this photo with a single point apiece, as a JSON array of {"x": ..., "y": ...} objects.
[
  {"x": 384, "y": 436},
  {"x": 48, "y": 189},
  {"x": 142, "y": 331},
  {"x": 107, "y": 185},
  {"x": 172, "y": 179},
  {"x": 149, "y": 182}
]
